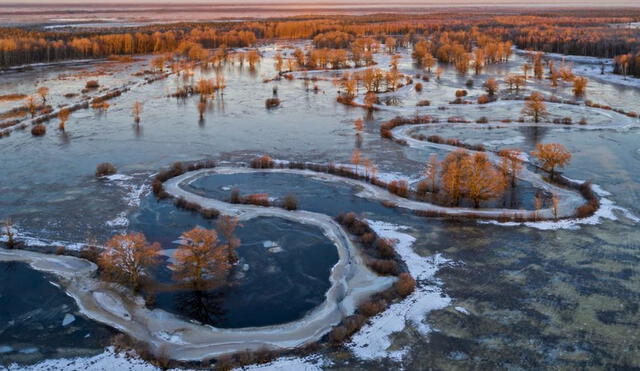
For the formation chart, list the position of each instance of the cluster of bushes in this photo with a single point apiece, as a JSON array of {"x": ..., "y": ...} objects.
[
  {"x": 382, "y": 259},
  {"x": 631, "y": 114},
  {"x": 399, "y": 187},
  {"x": 385, "y": 129},
  {"x": 455, "y": 142},
  {"x": 423, "y": 103},
  {"x": 257, "y": 199},
  {"x": 457, "y": 120},
  {"x": 592, "y": 204},
  {"x": 381, "y": 256},
  {"x": 176, "y": 169},
  {"x": 192, "y": 206},
  {"x": 418, "y": 87}
]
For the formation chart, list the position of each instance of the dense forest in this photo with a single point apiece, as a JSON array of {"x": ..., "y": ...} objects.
[{"x": 449, "y": 37}]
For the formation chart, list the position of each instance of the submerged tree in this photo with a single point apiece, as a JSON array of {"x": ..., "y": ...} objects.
[
  {"x": 580, "y": 86},
  {"x": 137, "y": 111},
  {"x": 43, "y": 92},
  {"x": 491, "y": 86},
  {"x": 551, "y": 156},
  {"x": 201, "y": 260},
  {"x": 227, "y": 226},
  {"x": 432, "y": 172},
  {"x": 128, "y": 258},
  {"x": 534, "y": 107},
  {"x": 511, "y": 164},
  {"x": 63, "y": 117}
]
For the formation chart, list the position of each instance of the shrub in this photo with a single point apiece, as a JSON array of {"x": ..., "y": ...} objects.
[
  {"x": 418, "y": 87},
  {"x": 469, "y": 83},
  {"x": 92, "y": 84},
  {"x": 482, "y": 120},
  {"x": 385, "y": 248},
  {"x": 422, "y": 188},
  {"x": 399, "y": 187},
  {"x": 289, "y": 202},
  {"x": 384, "y": 267},
  {"x": 38, "y": 130},
  {"x": 368, "y": 238},
  {"x": 105, "y": 168},
  {"x": 235, "y": 196},
  {"x": 583, "y": 121},
  {"x": 345, "y": 99},
  {"x": 423, "y": 103},
  {"x": 272, "y": 103},
  {"x": 353, "y": 323},
  {"x": 209, "y": 213},
  {"x": 258, "y": 199},
  {"x": 60, "y": 250},
  {"x": 338, "y": 334},
  {"x": 263, "y": 162},
  {"x": 371, "y": 308},
  {"x": 484, "y": 99},
  {"x": 405, "y": 285},
  {"x": 461, "y": 93}
]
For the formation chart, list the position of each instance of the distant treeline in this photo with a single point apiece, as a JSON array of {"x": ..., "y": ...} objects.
[{"x": 576, "y": 32}]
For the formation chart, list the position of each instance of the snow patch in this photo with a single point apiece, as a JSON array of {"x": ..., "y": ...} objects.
[
  {"x": 310, "y": 363},
  {"x": 373, "y": 340},
  {"x": 120, "y": 221},
  {"x": 108, "y": 360}
]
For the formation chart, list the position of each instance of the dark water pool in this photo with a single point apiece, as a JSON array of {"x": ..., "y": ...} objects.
[
  {"x": 330, "y": 198},
  {"x": 283, "y": 271},
  {"x": 38, "y": 319}
]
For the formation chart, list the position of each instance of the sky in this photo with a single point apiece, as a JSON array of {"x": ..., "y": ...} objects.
[{"x": 444, "y": 3}]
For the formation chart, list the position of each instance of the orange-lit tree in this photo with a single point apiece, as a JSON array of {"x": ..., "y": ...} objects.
[
  {"x": 511, "y": 164},
  {"x": 451, "y": 179},
  {"x": 534, "y": 107},
  {"x": 551, "y": 156},
  {"x": 201, "y": 260},
  {"x": 127, "y": 259},
  {"x": 480, "y": 179}
]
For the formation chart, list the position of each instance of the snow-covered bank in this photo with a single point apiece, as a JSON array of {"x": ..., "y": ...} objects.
[
  {"x": 108, "y": 360},
  {"x": 180, "y": 339},
  {"x": 373, "y": 340}
]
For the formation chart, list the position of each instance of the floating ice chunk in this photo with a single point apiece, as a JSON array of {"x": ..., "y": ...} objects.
[
  {"x": 68, "y": 319},
  {"x": 5, "y": 349}
]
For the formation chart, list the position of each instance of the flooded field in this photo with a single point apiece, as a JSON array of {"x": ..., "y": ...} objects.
[{"x": 518, "y": 296}]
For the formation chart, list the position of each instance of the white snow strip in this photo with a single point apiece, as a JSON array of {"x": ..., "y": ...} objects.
[
  {"x": 310, "y": 363},
  {"x": 108, "y": 360}
]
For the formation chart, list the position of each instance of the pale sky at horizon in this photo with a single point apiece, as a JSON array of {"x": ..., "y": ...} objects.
[{"x": 442, "y": 3}]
